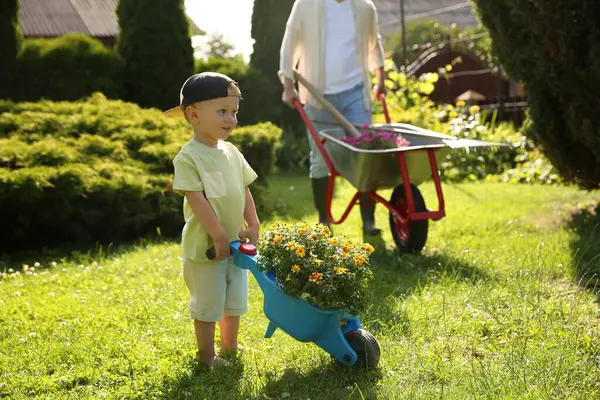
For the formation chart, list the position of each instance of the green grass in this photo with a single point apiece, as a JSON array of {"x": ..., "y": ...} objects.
[{"x": 501, "y": 305}]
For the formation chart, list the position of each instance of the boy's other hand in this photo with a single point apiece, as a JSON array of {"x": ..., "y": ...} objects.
[{"x": 222, "y": 248}]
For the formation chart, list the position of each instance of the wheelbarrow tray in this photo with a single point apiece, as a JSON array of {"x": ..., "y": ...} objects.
[
  {"x": 299, "y": 319},
  {"x": 370, "y": 170}
]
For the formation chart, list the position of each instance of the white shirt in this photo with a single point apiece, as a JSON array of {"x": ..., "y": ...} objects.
[
  {"x": 303, "y": 45},
  {"x": 343, "y": 69}
]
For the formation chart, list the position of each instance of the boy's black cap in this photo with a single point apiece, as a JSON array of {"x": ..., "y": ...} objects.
[{"x": 201, "y": 87}]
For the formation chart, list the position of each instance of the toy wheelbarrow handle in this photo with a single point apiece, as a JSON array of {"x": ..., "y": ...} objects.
[
  {"x": 211, "y": 253},
  {"x": 245, "y": 248}
]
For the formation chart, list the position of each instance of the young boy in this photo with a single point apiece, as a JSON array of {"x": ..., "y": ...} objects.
[{"x": 213, "y": 176}]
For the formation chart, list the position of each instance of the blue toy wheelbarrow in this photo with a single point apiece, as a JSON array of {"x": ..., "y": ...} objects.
[{"x": 333, "y": 330}]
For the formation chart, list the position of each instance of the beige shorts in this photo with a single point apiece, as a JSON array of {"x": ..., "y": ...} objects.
[{"x": 216, "y": 288}]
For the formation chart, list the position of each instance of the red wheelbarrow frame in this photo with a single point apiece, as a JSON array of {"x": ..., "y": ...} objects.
[{"x": 411, "y": 215}]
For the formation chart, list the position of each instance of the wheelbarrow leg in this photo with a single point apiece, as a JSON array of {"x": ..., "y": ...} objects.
[{"x": 270, "y": 330}]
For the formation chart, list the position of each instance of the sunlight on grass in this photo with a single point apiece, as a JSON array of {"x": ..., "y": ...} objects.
[{"x": 492, "y": 309}]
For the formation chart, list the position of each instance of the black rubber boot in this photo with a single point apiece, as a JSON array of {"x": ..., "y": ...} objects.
[
  {"x": 319, "y": 188},
  {"x": 367, "y": 212}
]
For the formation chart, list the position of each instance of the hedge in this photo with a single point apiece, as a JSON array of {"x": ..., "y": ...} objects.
[
  {"x": 67, "y": 68},
  {"x": 99, "y": 170}
]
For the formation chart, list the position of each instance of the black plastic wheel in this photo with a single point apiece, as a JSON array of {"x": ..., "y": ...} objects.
[
  {"x": 410, "y": 237},
  {"x": 366, "y": 348}
]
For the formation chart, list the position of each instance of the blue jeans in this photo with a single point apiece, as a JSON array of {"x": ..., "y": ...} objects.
[{"x": 351, "y": 104}]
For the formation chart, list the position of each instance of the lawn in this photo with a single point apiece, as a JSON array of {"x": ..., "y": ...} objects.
[{"x": 501, "y": 304}]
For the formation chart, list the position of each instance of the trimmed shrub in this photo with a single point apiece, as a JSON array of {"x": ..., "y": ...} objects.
[
  {"x": 155, "y": 44},
  {"x": 99, "y": 170},
  {"x": 234, "y": 67},
  {"x": 69, "y": 67}
]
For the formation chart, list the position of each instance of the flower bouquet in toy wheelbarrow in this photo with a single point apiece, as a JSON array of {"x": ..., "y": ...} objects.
[
  {"x": 392, "y": 155},
  {"x": 314, "y": 285}
]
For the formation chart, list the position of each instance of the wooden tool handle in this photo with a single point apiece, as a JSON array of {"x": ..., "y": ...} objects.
[{"x": 351, "y": 129}]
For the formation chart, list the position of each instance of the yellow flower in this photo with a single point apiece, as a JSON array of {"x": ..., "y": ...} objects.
[
  {"x": 291, "y": 246},
  {"x": 295, "y": 268},
  {"x": 474, "y": 109},
  {"x": 340, "y": 270},
  {"x": 368, "y": 248},
  {"x": 326, "y": 231},
  {"x": 334, "y": 241},
  {"x": 278, "y": 239},
  {"x": 300, "y": 252},
  {"x": 460, "y": 103},
  {"x": 359, "y": 259},
  {"x": 452, "y": 114},
  {"x": 316, "y": 277},
  {"x": 313, "y": 236},
  {"x": 302, "y": 230},
  {"x": 318, "y": 262}
]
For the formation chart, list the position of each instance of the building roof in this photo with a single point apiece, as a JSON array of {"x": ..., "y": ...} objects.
[
  {"x": 459, "y": 12},
  {"x": 51, "y": 18}
]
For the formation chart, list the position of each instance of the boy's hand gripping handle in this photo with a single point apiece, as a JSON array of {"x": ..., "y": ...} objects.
[{"x": 245, "y": 248}]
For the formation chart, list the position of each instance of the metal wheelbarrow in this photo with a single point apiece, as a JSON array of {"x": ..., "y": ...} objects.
[
  {"x": 401, "y": 168},
  {"x": 333, "y": 330}
]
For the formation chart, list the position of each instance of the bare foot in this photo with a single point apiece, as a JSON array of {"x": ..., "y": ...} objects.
[{"x": 230, "y": 352}]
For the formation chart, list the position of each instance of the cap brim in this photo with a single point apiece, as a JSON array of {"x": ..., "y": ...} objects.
[{"x": 175, "y": 112}]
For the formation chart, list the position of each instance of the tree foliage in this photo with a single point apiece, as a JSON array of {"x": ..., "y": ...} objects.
[{"x": 553, "y": 47}]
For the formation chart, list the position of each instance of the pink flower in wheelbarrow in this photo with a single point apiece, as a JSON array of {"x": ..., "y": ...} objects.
[{"x": 376, "y": 140}]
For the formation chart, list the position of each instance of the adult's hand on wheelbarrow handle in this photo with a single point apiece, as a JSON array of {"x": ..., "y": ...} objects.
[{"x": 290, "y": 97}]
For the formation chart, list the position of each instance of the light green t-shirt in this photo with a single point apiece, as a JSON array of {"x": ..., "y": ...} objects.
[{"x": 222, "y": 173}]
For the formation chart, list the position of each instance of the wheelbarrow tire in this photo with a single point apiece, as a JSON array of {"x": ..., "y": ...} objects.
[
  {"x": 366, "y": 347},
  {"x": 413, "y": 236}
]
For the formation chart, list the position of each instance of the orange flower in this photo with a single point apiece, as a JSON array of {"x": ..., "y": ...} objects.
[
  {"x": 316, "y": 277},
  {"x": 359, "y": 259},
  {"x": 295, "y": 268},
  {"x": 347, "y": 246},
  {"x": 368, "y": 248}
]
